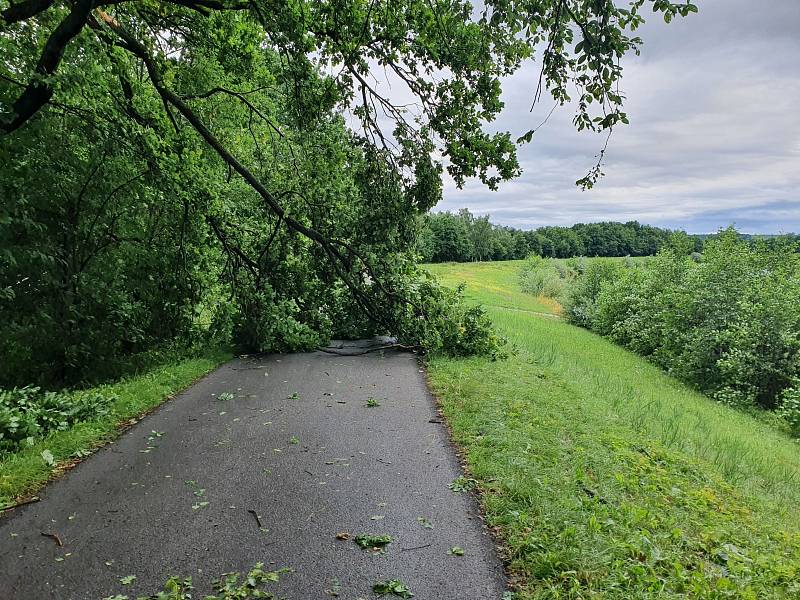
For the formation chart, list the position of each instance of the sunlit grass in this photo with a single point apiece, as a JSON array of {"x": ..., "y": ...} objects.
[{"x": 492, "y": 284}]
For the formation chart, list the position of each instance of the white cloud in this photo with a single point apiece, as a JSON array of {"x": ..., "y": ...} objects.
[{"x": 714, "y": 135}]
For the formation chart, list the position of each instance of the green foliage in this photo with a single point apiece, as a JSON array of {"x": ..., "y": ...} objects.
[
  {"x": 231, "y": 586},
  {"x": 395, "y": 587},
  {"x": 730, "y": 324},
  {"x": 790, "y": 408},
  {"x": 440, "y": 321},
  {"x": 579, "y": 445},
  {"x": 265, "y": 324},
  {"x": 462, "y": 484},
  {"x": 544, "y": 277},
  {"x": 581, "y": 301},
  {"x": 462, "y": 237},
  {"x": 372, "y": 541},
  {"x": 27, "y": 414}
]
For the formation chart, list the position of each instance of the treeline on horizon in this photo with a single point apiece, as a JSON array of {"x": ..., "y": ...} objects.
[{"x": 464, "y": 237}]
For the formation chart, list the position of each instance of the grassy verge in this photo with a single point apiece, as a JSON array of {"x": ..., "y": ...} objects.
[
  {"x": 606, "y": 478},
  {"x": 23, "y": 472}
]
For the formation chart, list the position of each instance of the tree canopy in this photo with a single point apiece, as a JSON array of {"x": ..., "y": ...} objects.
[
  {"x": 462, "y": 237},
  {"x": 236, "y": 164}
]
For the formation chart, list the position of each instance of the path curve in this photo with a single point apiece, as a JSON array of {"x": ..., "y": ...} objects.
[{"x": 299, "y": 447}]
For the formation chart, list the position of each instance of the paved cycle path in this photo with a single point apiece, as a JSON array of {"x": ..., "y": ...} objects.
[{"x": 298, "y": 447}]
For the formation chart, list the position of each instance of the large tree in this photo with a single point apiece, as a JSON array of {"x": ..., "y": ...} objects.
[{"x": 218, "y": 110}]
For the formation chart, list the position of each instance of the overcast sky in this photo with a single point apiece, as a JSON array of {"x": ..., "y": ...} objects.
[{"x": 714, "y": 137}]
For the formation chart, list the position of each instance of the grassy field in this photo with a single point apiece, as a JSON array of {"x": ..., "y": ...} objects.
[
  {"x": 606, "y": 478},
  {"x": 24, "y": 472},
  {"x": 493, "y": 284}
]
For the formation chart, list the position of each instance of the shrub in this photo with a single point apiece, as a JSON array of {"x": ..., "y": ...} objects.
[
  {"x": 28, "y": 413},
  {"x": 544, "y": 277},
  {"x": 790, "y": 408},
  {"x": 729, "y": 324},
  {"x": 580, "y": 304}
]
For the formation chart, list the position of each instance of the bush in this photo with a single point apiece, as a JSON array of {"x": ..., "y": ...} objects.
[
  {"x": 27, "y": 413},
  {"x": 729, "y": 324},
  {"x": 544, "y": 277},
  {"x": 790, "y": 409},
  {"x": 581, "y": 299}
]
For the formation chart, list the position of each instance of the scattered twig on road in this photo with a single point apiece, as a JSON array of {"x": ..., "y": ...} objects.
[
  {"x": 415, "y": 548},
  {"x": 255, "y": 514},
  {"x": 54, "y": 537},
  {"x": 23, "y": 503}
]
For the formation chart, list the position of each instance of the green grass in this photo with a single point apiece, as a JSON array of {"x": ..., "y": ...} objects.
[
  {"x": 605, "y": 477},
  {"x": 24, "y": 472},
  {"x": 493, "y": 284}
]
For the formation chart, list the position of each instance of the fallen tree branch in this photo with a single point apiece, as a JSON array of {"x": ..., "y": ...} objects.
[
  {"x": 339, "y": 262},
  {"x": 415, "y": 348},
  {"x": 37, "y": 93},
  {"x": 415, "y": 548},
  {"x": 21, "y": 11}
]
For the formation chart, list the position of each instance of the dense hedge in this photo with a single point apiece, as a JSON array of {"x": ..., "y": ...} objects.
[{"x": 728, "y": 322}]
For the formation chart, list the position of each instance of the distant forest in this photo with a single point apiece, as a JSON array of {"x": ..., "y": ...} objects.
[{"x": 464, "y": 237}]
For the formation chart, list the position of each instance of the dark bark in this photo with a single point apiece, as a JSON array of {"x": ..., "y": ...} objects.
[
  {"x": 338, "y": 261},
  {"x": 37, "y": 93},
  {"x": 24, "y": 10}
]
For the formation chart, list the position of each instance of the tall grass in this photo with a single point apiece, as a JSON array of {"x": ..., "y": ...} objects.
[
  {"x": 627, "y": 389},
  {"x": 605, "y": 477}
]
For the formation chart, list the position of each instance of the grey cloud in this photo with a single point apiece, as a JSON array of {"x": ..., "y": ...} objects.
[{"x": 714, "y": 137}]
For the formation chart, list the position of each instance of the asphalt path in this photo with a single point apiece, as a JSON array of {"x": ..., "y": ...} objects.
[{"x": 267, "y": 459}]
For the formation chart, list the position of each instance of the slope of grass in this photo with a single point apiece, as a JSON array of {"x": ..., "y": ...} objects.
[
  {"x": 606, "y": 478},
  {"x": 492, "y": 284},
  {"x": 23, "y": 472}
]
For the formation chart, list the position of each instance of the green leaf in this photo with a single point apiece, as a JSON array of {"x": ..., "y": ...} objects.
[
  {"x": 462, "y": 484},
  {"x": 394, "y": 587},
  {"x": 48, "y": 458},
  {"x": 372, "y": 541}
]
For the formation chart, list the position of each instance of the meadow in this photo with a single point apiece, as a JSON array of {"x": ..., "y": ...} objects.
[{"x": 602, "y": 475}]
